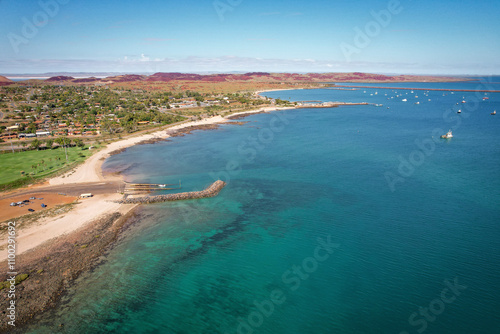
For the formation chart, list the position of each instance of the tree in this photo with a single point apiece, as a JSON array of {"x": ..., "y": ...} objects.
[
  {"x": 78, "y": 142},
  {"x": 49, "y": 143},
  {"x": 36, "y": 144},
  {"x": 59, "y": 141}
]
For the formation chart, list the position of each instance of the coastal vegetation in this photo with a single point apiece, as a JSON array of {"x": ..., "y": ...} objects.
[{"x": 19, "y": 278}]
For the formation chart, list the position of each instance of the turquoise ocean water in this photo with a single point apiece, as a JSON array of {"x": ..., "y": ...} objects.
[{"x": 342, "y": 220}]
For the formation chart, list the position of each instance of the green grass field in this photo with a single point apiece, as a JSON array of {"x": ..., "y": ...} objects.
[{"x": 54, "y": 160}]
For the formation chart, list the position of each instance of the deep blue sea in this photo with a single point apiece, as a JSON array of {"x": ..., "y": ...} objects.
[{"x": 347, "y": 220}]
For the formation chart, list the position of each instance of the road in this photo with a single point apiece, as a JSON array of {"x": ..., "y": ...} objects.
[{"x": 74, "y": 189}]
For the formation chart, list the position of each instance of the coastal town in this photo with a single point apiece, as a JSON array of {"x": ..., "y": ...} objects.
[{"x": 85, "y": 113}]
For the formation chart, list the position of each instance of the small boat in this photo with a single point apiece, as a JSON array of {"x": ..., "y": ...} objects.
[
  {"x": 459, "y": 111},
  {"x": 448, "y": 135},
  {"x": 463, "y": 101},
  {"x": 404, "y": 100},
  {"x": 486, "y": 98},
  {"x": 494, "y": 113},
  {"x": 417, "y": 102},
  {"x": 162, "y": 185}
]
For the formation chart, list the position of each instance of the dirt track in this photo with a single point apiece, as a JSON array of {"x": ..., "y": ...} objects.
[{"x": 73, "y": 189}]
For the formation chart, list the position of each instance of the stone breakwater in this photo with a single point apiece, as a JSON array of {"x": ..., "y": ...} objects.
[{"x": 211, "y": 191}]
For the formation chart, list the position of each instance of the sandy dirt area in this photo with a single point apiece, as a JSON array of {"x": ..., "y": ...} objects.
[
  {"x": 86, "y": 211},
  {"x": 50, "y": 200}
]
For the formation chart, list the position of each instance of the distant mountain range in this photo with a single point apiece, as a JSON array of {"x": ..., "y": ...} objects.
[
  {"x": 80, "y": 78},
  {"x": 4, "y": 81}
]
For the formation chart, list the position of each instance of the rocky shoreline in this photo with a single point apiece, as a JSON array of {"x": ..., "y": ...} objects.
[
  {"x": 53, "y": 267},
  {"x": 50, "y": 269},
  {"x": 187, "y": 130}
]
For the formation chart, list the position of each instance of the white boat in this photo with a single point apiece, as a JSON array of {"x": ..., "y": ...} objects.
[
  {"x": 448, "y": 135},
  {"x": 404, "y": 100},
  {"x": 417, "y": 102},
  {"x": 459, "y": 111},
  {"x": 494, "y": 113}
]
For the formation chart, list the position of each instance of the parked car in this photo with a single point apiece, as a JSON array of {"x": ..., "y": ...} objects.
[
  {"x": 19, "y": 203},
  {"x": 43, "y": 205},
  {"x": 13, "y": 204},
  {"x": 32, "y": 197},
  {"x": 31, "y": 210}
]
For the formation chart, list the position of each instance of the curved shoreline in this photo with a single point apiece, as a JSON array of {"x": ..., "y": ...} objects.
[
  {"x": 56, "y": 250},
  {"x": 88, "y": 210}
]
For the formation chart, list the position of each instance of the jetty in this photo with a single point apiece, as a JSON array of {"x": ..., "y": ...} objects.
[
  {"x": 330, "y": 104},
  {"x": 426, "y": 89},
  {"x": 211, "y": 191},
  {"x": 143, "y": 188}
]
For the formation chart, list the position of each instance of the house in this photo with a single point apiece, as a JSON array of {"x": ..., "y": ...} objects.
[
  {"x": 42, "y": 133},
  {"x": 7, "y": 136}
]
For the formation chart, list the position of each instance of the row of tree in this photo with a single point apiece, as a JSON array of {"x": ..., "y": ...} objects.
[{"x": 60, "y": 141}]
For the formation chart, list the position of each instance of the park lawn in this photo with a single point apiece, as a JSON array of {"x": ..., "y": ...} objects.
[{"x": 11, "y": 164}]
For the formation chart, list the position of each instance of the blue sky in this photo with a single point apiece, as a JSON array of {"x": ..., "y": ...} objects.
[{"x": 422, "y": 37}]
